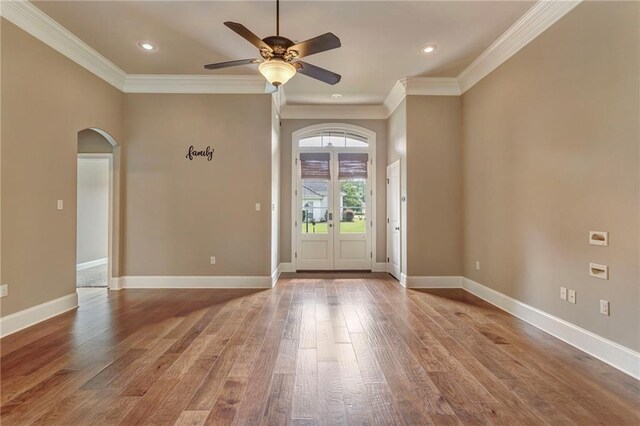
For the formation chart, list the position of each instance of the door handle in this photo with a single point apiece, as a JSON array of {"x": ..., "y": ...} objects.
[
  {"x": 397, "y": 228},
  {"x": 330, "y": 216},
  {"x": 331, "y": 225}
]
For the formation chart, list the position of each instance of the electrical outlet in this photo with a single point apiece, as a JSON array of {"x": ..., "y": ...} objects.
[
  {"x": 563, "y": 293},
  {"x": 572, "y": 296},
  {"x": 257, "y": 207},
  {"x": 4, "y": 290},
  {"x": 604, "y": 307},
  {"x": 212, "y": 259},
  {"x": 599, "y": 238},
  {"x": 599, "y": 271},
  {"x": 477, "y": 265}
]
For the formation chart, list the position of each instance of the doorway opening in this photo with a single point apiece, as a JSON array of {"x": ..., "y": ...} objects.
[
  {"x": 94, "y": 210},
  {"x": 333, "y": 225}
]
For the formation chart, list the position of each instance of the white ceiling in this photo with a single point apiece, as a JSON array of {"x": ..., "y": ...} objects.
[{"x": 381, "y": 40}]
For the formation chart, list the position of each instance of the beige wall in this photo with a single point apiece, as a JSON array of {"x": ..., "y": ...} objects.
[
  {"x": 397, "y": 151},
  {"x": 434, "y": 186},
  {"x": 179, "y": 212},
  {"x": 43, "y": 109},
  {"x": 551, "y": 151},
  {"x": 286, "y": 134}
]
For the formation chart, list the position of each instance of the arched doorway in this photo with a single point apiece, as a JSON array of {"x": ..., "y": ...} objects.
[
  {"x": 95, "y": 209},
  {"x": 333, "y": 198}
]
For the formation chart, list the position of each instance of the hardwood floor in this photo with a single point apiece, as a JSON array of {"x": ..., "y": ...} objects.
[{"x": 345, "y": 350}]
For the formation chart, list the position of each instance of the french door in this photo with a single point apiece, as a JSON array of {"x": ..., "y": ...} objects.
[{"x": 333, "y": 197}]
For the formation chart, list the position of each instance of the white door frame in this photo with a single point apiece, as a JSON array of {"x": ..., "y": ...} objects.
[
  {"x": 372, "y": 196},
  {"x": 398, "y": 273},
  {"x": 108, "y": 156}
]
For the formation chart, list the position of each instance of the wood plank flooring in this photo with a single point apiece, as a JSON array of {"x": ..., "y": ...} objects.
[{"x": 343, "y": 349}]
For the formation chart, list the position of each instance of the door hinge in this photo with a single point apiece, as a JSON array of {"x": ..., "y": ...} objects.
[
  {"x": 387, "y": 181},
  {"x": 296, "y": 161},
  {"x": 372, "y": 255},
  {"x": 372, "y": 224},
  {"x": 296, "y": 192},
  {"x": 295, "y": 223},
  {"x": 387, "y": 220},
  {"x": 296, "y": 255},
  {"x": 387, "y": 259}
]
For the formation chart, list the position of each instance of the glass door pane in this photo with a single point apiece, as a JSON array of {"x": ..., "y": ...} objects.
[
  {"x": 353, "y": 217},
  {"x": 314, "y": 207}
]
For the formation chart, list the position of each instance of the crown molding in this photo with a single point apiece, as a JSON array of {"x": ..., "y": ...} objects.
[
  {"x": 432, "y": 86},
  {"x": 534, "y": 22},
  {"x": 353, "y": 112},
  {"x": 35, "y": 22},
  {"x": 420, "y": 86},
  {"x": 167, "y": 83},
  {"x": 395, "y": 97}
]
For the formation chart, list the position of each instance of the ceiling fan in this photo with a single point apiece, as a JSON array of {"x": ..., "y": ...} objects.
[{"x": 279, "y": 53}]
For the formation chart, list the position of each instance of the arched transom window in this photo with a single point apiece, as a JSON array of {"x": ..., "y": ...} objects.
[{"x": 333, "y": 139}]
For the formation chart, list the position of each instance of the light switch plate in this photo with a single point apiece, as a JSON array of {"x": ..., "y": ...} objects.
[
  {"x": 257, "y": 207},
  {"x": 572, "y": 296},
  {"x": 477, "y": 265},
  {"x": 604, "y": 307},
  {"x": 212, "y": 259},
  {"x": 4, "y": 290},
  {"x": 60, "y": 204},
  {"x": 563, "y": 293}
]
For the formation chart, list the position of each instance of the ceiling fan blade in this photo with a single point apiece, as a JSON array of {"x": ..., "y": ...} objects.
[
  {"x": 231, "y": 64},
  {"x": 315, "y": 45},
  {"x": 317, "y": 73},
  {"x": 248, "y": 35}
]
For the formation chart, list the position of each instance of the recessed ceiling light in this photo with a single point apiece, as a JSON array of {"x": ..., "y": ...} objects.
[
  {"x": 145, "y": 45},
  {"x": 336, "y": 96},
  {"x": 429, "y": 49}
]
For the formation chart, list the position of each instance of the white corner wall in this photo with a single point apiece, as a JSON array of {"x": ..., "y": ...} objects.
[{"x": 93, "y": 210}]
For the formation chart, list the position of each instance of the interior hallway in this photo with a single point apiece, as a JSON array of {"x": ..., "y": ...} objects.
[{"x": 356, "y": 349}]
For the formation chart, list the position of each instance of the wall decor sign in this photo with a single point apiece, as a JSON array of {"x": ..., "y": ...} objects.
[{"x": 207, "y": 153}]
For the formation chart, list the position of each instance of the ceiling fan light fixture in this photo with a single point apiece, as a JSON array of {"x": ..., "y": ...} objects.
[{"x": 277, "y": 71}]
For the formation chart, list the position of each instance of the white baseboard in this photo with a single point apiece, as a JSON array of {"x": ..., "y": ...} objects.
[
  {"x": 282, "y": 267},
  {"x": 379, "y": 267},
  {"x": 433, "y": 282},
  {"x": 115, "y": 284},
  {"x": 614, "y": 354},
  {"x": 286, "y": 267},
  {"x": 31, "y": 316},
  {"x": 91, "y": 264},
  {"x": 192, "y": 282},
  {"x": 403, "y": 279}
]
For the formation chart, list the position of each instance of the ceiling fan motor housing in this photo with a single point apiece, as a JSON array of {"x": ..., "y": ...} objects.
[{"x": 279, "y": 46}]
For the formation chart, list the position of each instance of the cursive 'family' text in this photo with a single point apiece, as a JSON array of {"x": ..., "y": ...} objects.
[{"x": 208, "y": 153}]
